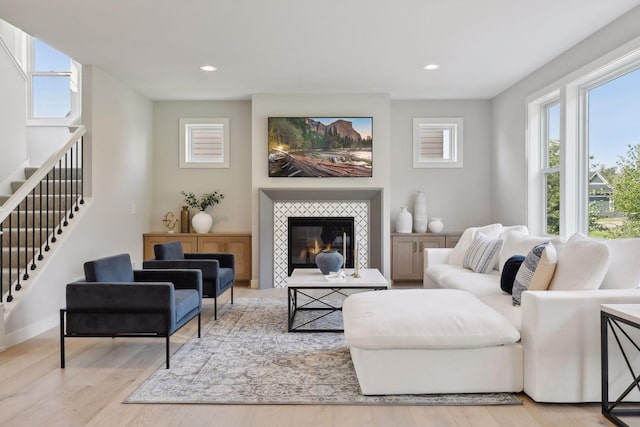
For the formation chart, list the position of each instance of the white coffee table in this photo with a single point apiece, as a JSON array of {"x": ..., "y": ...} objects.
[{"x": 304, "y": 279}]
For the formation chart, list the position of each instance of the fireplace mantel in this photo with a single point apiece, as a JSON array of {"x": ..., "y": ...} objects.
[{"x": 269, "y": 196}]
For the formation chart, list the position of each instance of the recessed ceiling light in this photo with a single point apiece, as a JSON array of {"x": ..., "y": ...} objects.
[
  {"x": 208, "y": 68},
  {"x": 431, "y": 67}
]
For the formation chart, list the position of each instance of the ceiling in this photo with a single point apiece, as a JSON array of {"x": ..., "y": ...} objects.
[{"x": 303, "y": 46}]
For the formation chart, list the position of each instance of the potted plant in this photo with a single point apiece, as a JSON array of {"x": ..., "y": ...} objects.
[{"x": 202, "y": 221}]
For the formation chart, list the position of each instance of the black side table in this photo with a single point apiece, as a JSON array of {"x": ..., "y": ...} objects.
[{"x": 611, "y": 318}]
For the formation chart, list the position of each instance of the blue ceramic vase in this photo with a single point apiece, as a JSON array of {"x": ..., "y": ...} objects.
[{"x": 329, "y": 260}]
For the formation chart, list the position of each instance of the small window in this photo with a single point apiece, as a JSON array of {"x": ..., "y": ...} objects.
[
  {"x": 53, "y": 86},
  {"x": 204, "y": 143},
  {"x": 437, "y": 142}
]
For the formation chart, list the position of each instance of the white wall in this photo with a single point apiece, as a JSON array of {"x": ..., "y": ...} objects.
[
  {"x": 509, "y": 180},
  {"x": 233, "y": 214},
  {"x": 43, "y": 141},
  {"x": 327, "y": 105},
  {"x": 460, "y": 196},
  {"x": 13, "y": 147},
  {"x": 120, "y": 130}
]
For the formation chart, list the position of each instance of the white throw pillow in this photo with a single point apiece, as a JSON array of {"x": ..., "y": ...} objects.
[
  {"x": 624, "y": 269},
  {"x": 482, "y": 254},
  {"x": 582, "y": 264},
  {"x": 517, "y": 243},
  {"x": 456, "y": 257},
  {"x": 503, "y": 235},
  {"x": 536, "y": 271}
]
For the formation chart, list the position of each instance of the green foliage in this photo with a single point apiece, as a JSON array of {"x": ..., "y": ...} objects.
[
  {"x": 202, "y": 203},
  {"x": 626, "y": 184}
]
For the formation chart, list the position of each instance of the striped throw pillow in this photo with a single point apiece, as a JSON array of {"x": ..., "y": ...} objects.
[
  {"x": 482, "y": 253},
  {"x": 536, "y": 271}
]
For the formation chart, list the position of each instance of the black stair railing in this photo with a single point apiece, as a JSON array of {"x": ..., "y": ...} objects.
[{"x": 37, "y": 211}]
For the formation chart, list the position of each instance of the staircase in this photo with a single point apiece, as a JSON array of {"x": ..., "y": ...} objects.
[{"x": 37, "y": 212}]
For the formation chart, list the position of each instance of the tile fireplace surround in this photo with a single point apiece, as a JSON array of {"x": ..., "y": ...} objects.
[{"x": 277, "y": 205}]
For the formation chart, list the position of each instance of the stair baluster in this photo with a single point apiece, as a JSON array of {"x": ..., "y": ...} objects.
[
  {"x": 18, "y": 285},
  {"x": 10, "y": 294},
  {"x": 60, "y": 192},
  {"x": 33, "y": 232},
  {"x": 82, "y": 171},
  {"x": 53, "y": 176},
  {"x": 40, "y": 256}
]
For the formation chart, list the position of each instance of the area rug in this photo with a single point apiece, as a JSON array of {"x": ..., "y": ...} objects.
[{"x": 248, "y": 357}]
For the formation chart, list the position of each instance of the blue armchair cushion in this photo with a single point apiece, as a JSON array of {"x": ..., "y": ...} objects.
[
  {"x": 115, "y": 268},
  {"x": 171, "y": 250}
]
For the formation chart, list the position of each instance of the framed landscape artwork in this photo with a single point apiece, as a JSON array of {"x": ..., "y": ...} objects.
[{"x": 320, "y": 146}]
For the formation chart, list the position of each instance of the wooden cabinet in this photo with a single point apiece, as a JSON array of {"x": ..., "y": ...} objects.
[
  {"x": 407, "y": 253},
  {"x": 238, "y": 244}
]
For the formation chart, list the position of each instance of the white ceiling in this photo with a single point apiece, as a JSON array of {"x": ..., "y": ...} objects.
[{"x": 303, "y": 46}]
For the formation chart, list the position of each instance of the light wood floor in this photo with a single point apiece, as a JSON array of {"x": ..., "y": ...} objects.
[{"x": 102, "y": 372}]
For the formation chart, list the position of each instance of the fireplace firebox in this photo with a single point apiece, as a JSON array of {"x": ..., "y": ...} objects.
[{"x": 310, "y": 235}]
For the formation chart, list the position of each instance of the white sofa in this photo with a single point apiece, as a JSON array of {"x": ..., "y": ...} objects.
[{"x": 559, "y": 329}]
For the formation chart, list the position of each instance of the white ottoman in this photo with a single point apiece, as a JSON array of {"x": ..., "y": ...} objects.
[{"x": 422, "y": 341}]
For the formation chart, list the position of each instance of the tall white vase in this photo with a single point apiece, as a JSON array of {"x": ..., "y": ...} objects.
[
  {"x": 403, "y": 221},
  {"x": 420, "y": 213},
  {"x": 201, "y": 222}
]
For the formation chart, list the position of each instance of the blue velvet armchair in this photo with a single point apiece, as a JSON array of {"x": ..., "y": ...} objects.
[
  {"x": 116, "y": 301},
  {"x": 218, "y": 269}
]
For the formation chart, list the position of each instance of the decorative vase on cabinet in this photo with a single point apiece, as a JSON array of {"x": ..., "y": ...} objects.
[
  {"x": 436, "y": 225},
  {"x": 328, "y": 261},
  {"x": 201, "y": 222},
  {"x": 403, "y": 221},
  {"x": 184, "y": 219},
  {"x": 420, "y": 213}
]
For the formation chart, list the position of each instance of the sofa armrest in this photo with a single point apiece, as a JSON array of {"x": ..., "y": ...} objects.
[
  {"x": 120, "y": 296},
  {"x": 561, "y": 339},
  {"x": 179, "y": 275},
  {"x": 226, "y": 260},
  {"x": 436, "y": 256},
  {"x": 433, "y": 256}
]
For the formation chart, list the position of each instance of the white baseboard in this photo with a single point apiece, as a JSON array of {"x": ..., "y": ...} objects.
[{"x": 21, "y": 335}]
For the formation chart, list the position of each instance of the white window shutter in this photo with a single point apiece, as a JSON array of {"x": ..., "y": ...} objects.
[
  {"x": 430, "y": 143},
  {"x": 206, "y": 143}
]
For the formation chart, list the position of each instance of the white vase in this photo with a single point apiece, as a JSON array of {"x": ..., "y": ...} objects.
[
  {"x": 201, "y": 222},
  {"x": 420, "y": 213},
  {"x": 436, "y": 225},
  {"x": 403, "y": 221}
]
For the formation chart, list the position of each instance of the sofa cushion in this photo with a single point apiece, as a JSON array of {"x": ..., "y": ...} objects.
[
  {"x": 482, "y": 253},
  {"x": 168, "y": 251},
  {"x": 448, "y": 276},
  {"x": 516, "y": 243},
  {"x": 116, "y": 268},
  {"x": 457, "y": 253},
  {"x": 423, "y": 318},
  {"x": 624, "y": 268},
  {"x": 509, "y": 272},
  {"x": 503, "y": 236},
  {"x": 536, "y": 271},
  {"x": 582, "y": 264},
  {"x": 502, "y": 304}
]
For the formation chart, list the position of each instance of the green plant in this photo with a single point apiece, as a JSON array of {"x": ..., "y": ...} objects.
[{"x": 202, "y": 203}]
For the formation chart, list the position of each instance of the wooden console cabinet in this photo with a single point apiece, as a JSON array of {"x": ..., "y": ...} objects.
[
  {"x": 238, "y": 244},
  {"x": 407, "y": 252}
]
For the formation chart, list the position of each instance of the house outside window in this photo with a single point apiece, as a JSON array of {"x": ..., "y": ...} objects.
[{"x": 584, "y": 151}]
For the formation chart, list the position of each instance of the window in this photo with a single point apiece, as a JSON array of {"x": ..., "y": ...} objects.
[
  {"x": 53, "y": 86},
  {"x": 437, "y": 142},
  {"x": 584, "y": 150},
  {"x": 204, "y": 143},
  {"x": 551, "y": 166}
]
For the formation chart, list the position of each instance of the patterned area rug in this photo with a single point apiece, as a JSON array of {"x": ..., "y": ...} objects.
[{"x": 248, "y": 357}]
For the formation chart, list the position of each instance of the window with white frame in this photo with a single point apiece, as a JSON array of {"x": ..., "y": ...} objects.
[
  {"x": 437, "y": 142},
  {"x": 204, "y": 143},
  {"x": 584, "y": 151},
  {"x": 54, "y": 86}
]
